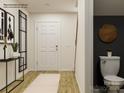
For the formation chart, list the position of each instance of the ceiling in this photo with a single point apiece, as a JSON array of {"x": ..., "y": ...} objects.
[
  {"x": 39, "y": 6},
  {"x": 109, "y": 7}
]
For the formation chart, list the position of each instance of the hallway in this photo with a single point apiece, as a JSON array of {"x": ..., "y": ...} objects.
[
  {"x": 67, "y": 83},
  {"x": 47, "y": 35}
]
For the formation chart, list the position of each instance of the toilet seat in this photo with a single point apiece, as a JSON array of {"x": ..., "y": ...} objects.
[{"x": 113, "y": 80}]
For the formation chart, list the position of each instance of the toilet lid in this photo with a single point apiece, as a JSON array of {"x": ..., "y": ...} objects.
[{"x": 113, "y": 78}]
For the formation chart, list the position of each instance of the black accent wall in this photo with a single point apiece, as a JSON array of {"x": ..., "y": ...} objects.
[{"x": 100, "y": 47}]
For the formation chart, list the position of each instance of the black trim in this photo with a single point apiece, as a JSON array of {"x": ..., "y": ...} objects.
[{"x": 22, "y": 30}]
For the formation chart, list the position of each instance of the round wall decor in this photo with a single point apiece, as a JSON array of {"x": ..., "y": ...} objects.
[{"x": 108, "y": 33}]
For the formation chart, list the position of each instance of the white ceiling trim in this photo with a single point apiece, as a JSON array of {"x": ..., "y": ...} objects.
[{"x": 45, "y": 6}]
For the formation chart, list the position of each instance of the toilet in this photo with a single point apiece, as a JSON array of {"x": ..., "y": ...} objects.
[{"x": 110, "y": 66}]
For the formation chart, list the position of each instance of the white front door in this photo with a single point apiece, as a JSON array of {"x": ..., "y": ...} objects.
[{"x": 47, "y": 42}]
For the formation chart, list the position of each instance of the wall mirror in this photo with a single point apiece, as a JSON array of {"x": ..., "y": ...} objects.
[
  {"x": 108, "y": 33},
  {"x": 22, "y": 40}
]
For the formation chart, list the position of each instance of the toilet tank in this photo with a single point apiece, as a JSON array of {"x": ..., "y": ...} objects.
[{"x": 109, "y": 65}]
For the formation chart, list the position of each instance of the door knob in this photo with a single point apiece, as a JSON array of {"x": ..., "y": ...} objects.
[{"x": 56, "y": 47}]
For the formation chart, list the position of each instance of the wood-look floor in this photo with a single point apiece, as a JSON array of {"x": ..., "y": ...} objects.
[{"x": 67, "y": 82}]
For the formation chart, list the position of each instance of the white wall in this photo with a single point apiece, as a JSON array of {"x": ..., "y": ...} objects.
[
  {"x": 84, "y": 71},
  {"x": 67, "y": 38},
  {"x": 80, "y": 60},
  {"x": 89, "y": 46},
  {"x": 11, "y": 72}
]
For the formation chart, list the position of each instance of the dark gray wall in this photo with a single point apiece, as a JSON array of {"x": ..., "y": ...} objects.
[{"x": 100, "y": 47}]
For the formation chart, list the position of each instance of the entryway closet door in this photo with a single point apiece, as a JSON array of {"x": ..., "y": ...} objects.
[{"x": 47, "y": 44}]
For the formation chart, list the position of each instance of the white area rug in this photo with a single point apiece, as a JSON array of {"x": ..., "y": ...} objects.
[{"x": 44, "y": 83}]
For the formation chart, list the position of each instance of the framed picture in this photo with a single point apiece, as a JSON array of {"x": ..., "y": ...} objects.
[
  {"x": 2, "y": 25},
  {"x": 10, "y": 19}
]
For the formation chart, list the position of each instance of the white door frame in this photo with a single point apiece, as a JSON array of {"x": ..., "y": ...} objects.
[
  {"x": 85, "y": 76},
  {"x": 36, "y": 41}
]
